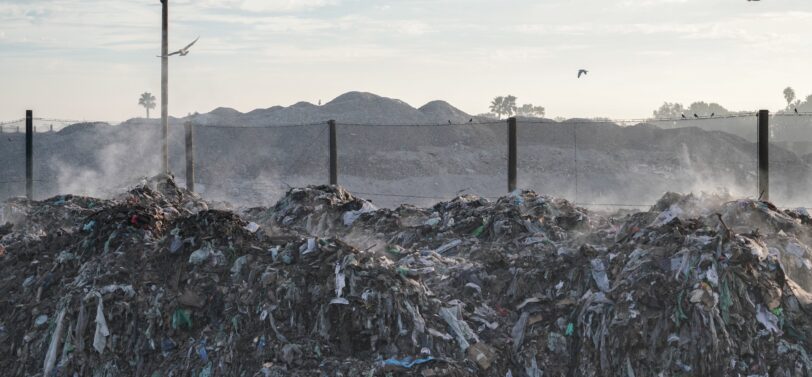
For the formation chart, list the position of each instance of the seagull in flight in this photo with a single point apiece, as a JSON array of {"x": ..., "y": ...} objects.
[
  {"x": 582, "y": 72},
  {"x": 184, "y": 51}
]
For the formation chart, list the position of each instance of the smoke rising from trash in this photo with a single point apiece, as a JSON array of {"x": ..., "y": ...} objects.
[{"x": 245, "y": 159}]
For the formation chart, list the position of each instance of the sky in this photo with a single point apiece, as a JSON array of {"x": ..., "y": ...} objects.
[{"x": 91, "y": 59}]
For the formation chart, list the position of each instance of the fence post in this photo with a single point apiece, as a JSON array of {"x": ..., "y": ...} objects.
[
  {"x": 190, "y": 156},
  {"x": 333, "y": 153},
  {"x": 764, "y": 155},
  {"x": 29, "y": 154},
  {"x": 511, "y": 154}
]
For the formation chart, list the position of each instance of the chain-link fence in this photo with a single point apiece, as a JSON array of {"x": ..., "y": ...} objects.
[
  {"x": 603, "y": 164},
  {"x": 257, "y": 165},
  {"x": 422, "y": 164},
  {"x": 791, "y": 159},
  {"x": 596, "y": 163}
]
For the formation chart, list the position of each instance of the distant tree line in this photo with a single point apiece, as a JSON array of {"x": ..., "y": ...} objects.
[
  {"x": 506, "y": 106},
  {"x": 675, "y": 110}
]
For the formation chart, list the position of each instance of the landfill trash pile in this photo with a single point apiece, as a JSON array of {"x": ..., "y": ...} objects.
[{"x": 156, "y": 283}]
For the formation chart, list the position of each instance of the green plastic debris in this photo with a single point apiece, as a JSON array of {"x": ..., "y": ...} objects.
[
  {"x": 89, "y": 226},
  {"x": 235, "y": 321},
  {"x": 205, "y": 372},
  {"x": 570, "y": 329},
  {"x": 107, "y": 243},
  {"x": 287, "y": 258},
  {"x": 680, "y": 314},
  {"x": 779, "y": 312},
  {"x": 394, "y": 251},
  {"x": 725, "y": 302},
  {"x": 180, "y": 318},
  {"x": 403, "y": 271}
]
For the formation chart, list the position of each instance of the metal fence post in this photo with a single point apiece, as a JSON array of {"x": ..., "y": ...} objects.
[
  {"x": 190, "y": 156},
  {"x": 511, "y": 154},
  {"x": 333, "y": 153},
  {"x": 764, "y": 154},
  {"x": 29, "y": 154}
]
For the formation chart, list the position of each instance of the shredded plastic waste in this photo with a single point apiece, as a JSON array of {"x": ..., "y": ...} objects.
[{"x": 320, "y": 285}]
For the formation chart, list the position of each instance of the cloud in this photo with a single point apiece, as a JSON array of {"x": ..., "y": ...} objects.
[
  {"x": 648, "y": 3},
  {"x": 268, "y": 5}
]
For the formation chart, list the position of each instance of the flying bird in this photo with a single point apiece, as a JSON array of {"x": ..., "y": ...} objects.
[
  {"x": 184, "y": 51},
  {"x": 582, "y": 72},
  {"x": 683, "y": 116},
  {"x": 696, "y": 116}
]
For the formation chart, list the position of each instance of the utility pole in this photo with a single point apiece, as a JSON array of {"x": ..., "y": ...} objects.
[{"x": 165, "y": 86}]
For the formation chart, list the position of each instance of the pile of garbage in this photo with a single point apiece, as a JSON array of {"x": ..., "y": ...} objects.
[{"x": 156, "y": 283}]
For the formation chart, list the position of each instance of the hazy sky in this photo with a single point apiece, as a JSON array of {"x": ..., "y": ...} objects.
[{"x": 90, "y": 59}]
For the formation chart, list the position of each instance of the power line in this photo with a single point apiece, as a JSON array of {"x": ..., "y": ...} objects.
[
  {"x": 502, "y": 122},
  {"x": 494, "y": 122},
  {"x": 290, "y": 125}
]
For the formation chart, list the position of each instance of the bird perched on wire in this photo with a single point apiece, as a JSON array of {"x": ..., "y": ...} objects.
[
  {"x": 582, "y": 72},
  {"x": 184, "y": 51}
]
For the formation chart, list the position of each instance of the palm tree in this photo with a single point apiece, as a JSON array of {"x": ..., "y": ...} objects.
[
  {"x": 789, "y": 95},
  {"x": 148, "y": 101}
]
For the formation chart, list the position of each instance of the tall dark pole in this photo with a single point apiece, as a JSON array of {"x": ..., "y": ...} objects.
[
  {"x": 29, "y": 154},
  {"x": 764, "y": 154},
  {"x": 165, "y": 86},
  {"x": 333, "y": 153},
  {"x": 511, "y": 154},
  {"x": 190, "y": 157}
]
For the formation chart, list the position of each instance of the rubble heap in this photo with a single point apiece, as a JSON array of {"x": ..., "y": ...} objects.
[{"x": 155, "y": 283}]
